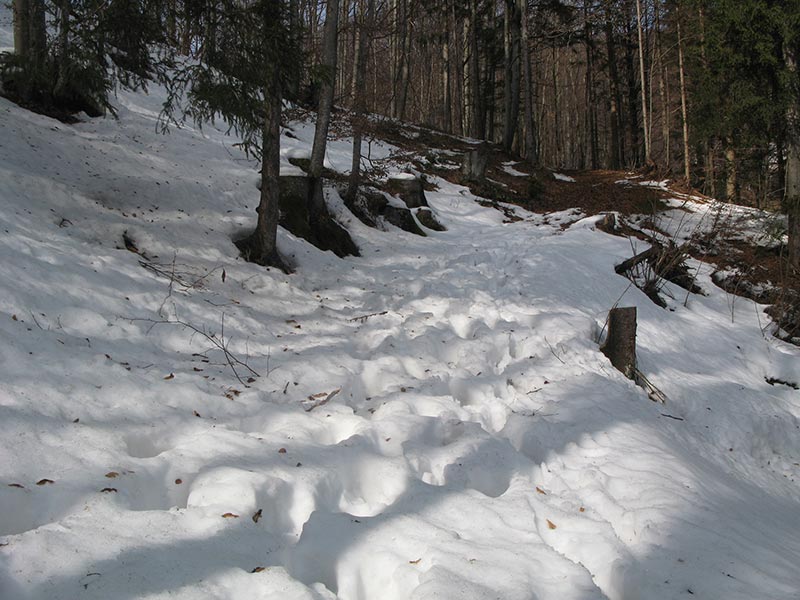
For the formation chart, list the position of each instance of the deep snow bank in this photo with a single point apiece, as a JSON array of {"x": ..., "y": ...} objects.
[{"x": 478, "y": 446}]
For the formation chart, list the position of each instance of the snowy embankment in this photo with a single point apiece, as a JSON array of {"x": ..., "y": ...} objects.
[{"x": 431, "y": 420}]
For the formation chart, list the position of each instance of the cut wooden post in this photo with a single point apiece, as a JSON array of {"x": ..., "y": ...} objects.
[
  {"x": 409, "y": 188},
  {"x": 475, "y": 162},
  {"x": 620, "y": 346}
]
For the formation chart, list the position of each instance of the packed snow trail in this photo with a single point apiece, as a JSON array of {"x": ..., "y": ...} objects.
[{"x": 431, "y": 420}]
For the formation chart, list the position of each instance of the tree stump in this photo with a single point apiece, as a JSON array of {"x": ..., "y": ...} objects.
[
  {"x": 319, "y": 228},
  {"x": 473, "y": 167},
  {"x": 409, "y": 189},
  {"x": 620, "y": 345}
]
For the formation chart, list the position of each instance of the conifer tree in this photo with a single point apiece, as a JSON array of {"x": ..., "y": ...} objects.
[{"x": 247, "y": 59}]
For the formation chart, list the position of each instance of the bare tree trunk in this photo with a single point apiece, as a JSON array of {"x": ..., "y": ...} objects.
[
  {"x": 635, "y": 153},
  {"x": 663, "y": 92},
  {"x": 447, "y": 118},
  {"x": 531, "y": 150},
  {"x": 730, "y": 171},
  {"x": 21, "y": 27},
  {"x": 512, "y": 72},
  {"x": 687, "y": 173},
  {"x": 591, "y": 137},
  {"x": 792, "y": 195},
  {"x": 364, "y": 26},
  {"x": 615, "y": 101},
  {"x": 645, "y": 118},
  {"x": 261, "y": 247},
  {"x": 405, "y": 59},
  {"x": 316, "y": 204},
  {"x": 329, "y": 47},
  {"x": 711, "y": 173},
  {"x": 478, "y": 120},
  {"x": 63, "y": 47}
]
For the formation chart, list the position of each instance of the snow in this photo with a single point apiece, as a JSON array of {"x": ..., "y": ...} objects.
[
  {"x": 508, "y": 167},
  {"x": 565, "y": 178},
  {"x": 431, "y": 420}
]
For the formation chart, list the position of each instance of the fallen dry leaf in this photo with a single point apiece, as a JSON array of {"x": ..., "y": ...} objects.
[
  {"x": 230, "y": 515},
  {"x": 282, "y": 451},
  {"x": 107, "y": 490},
  {"x": 170, "y": 376},
  {"x": 258, "y": 570},
  {"x": 44, "y": 481},
  {"x": 112, "y": 474},
  {"x": 582, "y": 509},
  {"x": 257, "y": 516},
  {"x": 196, "y": 414},
  {"x": 550, "y": 524},
  {"x": 540, "y": 490},
  {"x": 178, "y": 481},
  {"x": 16, "y": 485},
  {"x": 415, "y": 562}
]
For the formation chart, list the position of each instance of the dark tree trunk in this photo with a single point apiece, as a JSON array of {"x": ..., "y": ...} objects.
[
  {"x": 478, "y": 120},
  {"x": 531, "y": 147},
  {"x": 21, "y": 27},
  {"x": 792, "y": 197},
  {"x": 261, "y": 246},
  {"x": 512, "y": 69},
  {"x": 615, "y": 101}
]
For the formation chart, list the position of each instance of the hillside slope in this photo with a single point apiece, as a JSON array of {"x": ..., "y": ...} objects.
[{"x": 432, "y": 419}]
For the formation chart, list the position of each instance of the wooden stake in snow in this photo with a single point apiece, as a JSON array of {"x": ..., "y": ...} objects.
[{"x": 620, "y": 346}]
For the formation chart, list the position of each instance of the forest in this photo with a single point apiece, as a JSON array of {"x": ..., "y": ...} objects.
[{"x": 702, "y": 91}]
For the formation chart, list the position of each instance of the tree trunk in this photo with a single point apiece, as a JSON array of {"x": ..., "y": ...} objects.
[
  {"x": 365, "y": 28},
  {"x": 447, "y": 117},
  {"x": 261, "y": 247},
  {"x": 328, "y": 60},
  {"x": 531, "y": 149},
  {"x": 615, "y": 101},
  {"x": 478, "y": 119},
  {"x": 21, "y": 27},
  {"x": 635, "y": 152},
  {"x": 591, "y": 138},
  {"x": 512, "y": 72},
  {"x": 730, "y": 172},
  {"x": 63, "y": 48},
  {"x": 792, "y": 195},
  {"x": 687, "y": 173},
  {"x": 645, "y": 118}
]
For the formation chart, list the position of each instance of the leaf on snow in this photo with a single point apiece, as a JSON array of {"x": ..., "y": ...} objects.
[
  {"x": 540, "y": 490},
  {"x": 230, "y": 515},
  {"x": 112, "y": 474},
  {"x": 257, "y": 516},
  {"x": 550, "y": 524},
  {"x": 44, "y": 481},
  {"x": 415, "y": 562}
]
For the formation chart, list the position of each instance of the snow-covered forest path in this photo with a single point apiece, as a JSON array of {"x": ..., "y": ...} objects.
[{"x": 431, "y": 420}]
